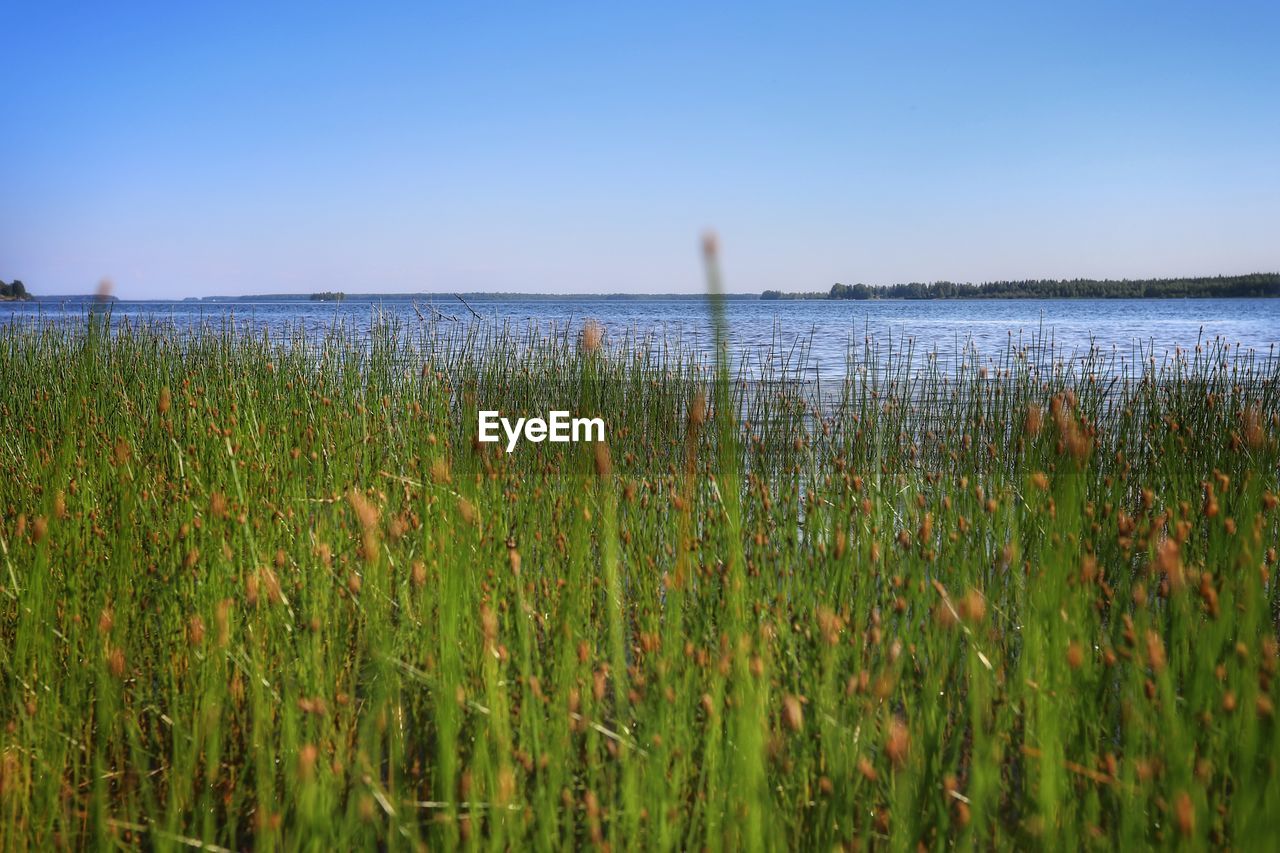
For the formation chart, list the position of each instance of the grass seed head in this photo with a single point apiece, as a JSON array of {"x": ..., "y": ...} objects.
[
  {"x": 271, "y": 583},
  {"x": 195, "y": 630},
  {"x": 604, "y": 464},
  {"x": 1184, "y": 814},
  {"x": 897, "y": 744},
  {"x": 488, "y": 626},
  {"x": 1169, "y": 562},
  {"x": 592, "y": 335},
  {"x": 1034, "y": 420},
  {"x": 792, "y": 712},
  {"x": 106, "y": 620},
  {"x": 973, "y": 607},
  {"x": 467, "y": 510},
  {"x": 698, "y": 409},
  {"x": 1155, "y": 652},
  {"x": 115, "y": 662},
  {"x": 307, "y": 756}
]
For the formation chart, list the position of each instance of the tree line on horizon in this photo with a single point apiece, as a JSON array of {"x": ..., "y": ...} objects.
[
  {"x": 1234, "y": 286},
  {"x": 14, "y": 290}
]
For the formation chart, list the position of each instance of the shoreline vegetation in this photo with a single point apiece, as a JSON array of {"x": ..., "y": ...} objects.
[
  {"x": 14, "y": 291},
  {"x": 258, "y": 592},
  {"x": 1254, "y": 285}
]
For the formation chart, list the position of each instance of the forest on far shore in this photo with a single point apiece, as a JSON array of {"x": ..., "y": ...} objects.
[
  {"x": 1252, "y": 285},
  {"x": 16, "y": 290}
]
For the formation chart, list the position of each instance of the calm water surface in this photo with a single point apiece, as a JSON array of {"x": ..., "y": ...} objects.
[{"x": 821, "y": 331}]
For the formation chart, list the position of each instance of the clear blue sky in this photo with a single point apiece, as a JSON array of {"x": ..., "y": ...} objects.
[{"x": 217, "y": 148}]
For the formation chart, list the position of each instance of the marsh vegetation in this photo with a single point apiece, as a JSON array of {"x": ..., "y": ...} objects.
[{"x": 259, "y": 592}]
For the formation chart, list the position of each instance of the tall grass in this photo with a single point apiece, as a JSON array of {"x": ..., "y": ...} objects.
[{"x": 270, "y": 592}]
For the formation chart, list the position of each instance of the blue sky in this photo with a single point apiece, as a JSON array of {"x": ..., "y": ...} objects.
[{"x": 186, "y": 149}]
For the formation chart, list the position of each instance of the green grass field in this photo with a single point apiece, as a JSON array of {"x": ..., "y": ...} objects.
[{"x": 257, "y": 594}]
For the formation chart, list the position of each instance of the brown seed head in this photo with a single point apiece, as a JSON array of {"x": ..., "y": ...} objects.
[
  {"x": 307, "y": 760},
  {"x": 698, "y": 408},
  {"x": 488, "y": 625},
  {"x": 1184, "y": 813},
  {"x": 1155, "y": 652},
  {"x": 468, "y": 511},
  {"x": 973, "y": 607},
  {"x": 604, "y": 463},
  {"x": 195, "y": 630},
  {"x": 271, "y": 584},
  {"x": 1035, "y": 419},
  {"x": 897, "y": 743},
  {"x": 710, "y": 245},
  {"x": 1169, "y": 562},
  {"x": 366, "y": 512},
  {"x": 115, "y": 662},
  {"x": 792, "y": 712},
  {"x": 592, "y": 336},
  {"x": 106, "y": 620}
]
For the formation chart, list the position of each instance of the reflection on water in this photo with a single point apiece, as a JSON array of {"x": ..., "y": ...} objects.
[{"x": 812, "y": 337}]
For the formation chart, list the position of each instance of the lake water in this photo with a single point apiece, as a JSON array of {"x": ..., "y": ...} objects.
[{"x": 820, "y": 330}]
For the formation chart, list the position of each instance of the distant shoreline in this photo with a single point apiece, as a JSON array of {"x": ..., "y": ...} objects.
[
  {"x": 369, "y": 299},
  {"x": 1251, "y": 286},
  {"x": 422, "y": 298}
]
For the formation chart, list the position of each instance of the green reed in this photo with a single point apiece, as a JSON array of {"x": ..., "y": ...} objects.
[{"x": 269, "y": 592}]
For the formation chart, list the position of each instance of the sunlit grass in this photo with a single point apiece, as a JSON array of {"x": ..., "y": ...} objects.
[{"x": 263, "y": 593}]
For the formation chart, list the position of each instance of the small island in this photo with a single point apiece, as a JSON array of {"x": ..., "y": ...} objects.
[
  {"x": 15, "y": 291},
  {"x": 1254, "y": 285}
]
